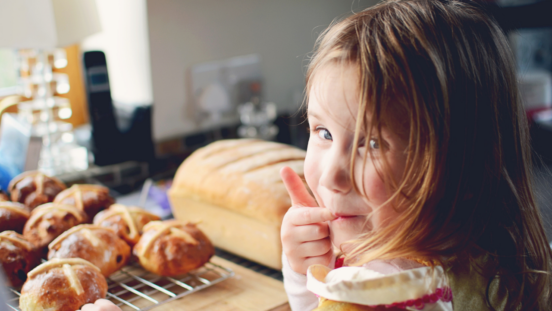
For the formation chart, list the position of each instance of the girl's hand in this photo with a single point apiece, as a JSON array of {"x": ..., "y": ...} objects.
[
  {"x": 305, "y": 233},
  {"x": 100, "y": 305}
]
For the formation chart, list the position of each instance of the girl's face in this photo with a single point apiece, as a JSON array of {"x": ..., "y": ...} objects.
[{"x": 332, "y": 108}]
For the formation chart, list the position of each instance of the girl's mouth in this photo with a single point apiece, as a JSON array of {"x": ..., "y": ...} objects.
[{"x": 344, "y": 217}]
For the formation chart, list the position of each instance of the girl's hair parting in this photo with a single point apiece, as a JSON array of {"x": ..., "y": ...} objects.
[{"x": 440, "y": 73}]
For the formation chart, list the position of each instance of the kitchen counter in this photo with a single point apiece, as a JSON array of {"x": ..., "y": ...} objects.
[{"x": 247, "y": 290}]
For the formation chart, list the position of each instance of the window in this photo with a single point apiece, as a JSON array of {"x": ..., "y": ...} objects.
[{"x": 8, "y": 72}]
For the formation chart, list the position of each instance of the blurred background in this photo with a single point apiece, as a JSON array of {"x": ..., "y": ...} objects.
[{"x": 119, "y": 93}]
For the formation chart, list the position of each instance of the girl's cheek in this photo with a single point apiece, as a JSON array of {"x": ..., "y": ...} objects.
[
  {"x": 362, "y": 174},
  {"x": 370, "y": 183},
  {"x": 311, "y": 169}
]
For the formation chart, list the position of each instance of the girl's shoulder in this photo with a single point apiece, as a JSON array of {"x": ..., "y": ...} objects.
[
  {"x": 395, "y": 265},
  {"x": 400, "y": 283},
  {"x": 475, "y": 285}
]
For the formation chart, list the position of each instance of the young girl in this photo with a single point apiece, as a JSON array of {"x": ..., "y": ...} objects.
[{"x": 420, "y": 169}]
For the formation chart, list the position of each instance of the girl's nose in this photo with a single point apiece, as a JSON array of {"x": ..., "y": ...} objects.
[{"x": 335, "y": 173}]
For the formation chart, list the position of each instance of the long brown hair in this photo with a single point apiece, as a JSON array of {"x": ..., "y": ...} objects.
[{"x": 443, "y": 70}]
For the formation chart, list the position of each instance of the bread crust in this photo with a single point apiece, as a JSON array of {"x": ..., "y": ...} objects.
[
  {"x": 98, "y": 245},
  {"x": 62, "y": 285},
  {"x": 172, "y": 247},
  {"x": 127, "y": 221},
  {"x": 13, "y": 216},
  {"x": 241, "y": 175},
  {"x": 17, "y": 256},
  {"x": 90, "y": 199},
  {"x": 34, "y": 188},
  {"x": 48, "y": 221}
]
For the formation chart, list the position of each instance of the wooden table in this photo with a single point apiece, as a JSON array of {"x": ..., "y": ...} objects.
[{"x": 247, "y": 290}]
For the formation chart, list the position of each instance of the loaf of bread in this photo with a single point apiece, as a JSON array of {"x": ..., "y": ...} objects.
[
  {"x": 241, "y": 175},
  {"x": 234, "y": 190}
]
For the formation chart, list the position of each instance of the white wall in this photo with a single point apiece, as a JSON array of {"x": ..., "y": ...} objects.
[
  {"x": 124, "y": 40},
  {"x": 186, "y": 32}
]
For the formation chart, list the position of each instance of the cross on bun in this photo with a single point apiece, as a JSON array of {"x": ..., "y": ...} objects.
[
  {"x": 18, "y": 256},
  {"x": 172, "y": 247},
  {"x": 48, "y": 221},
  {"x": 90, "y": 199},
  {"x": 127, "y": 221},
  {"x": 101, "y": 246},
  {"x": 62, "y": 285},
  {"x": 13, "y": 216},
  {"x": 34, "y": 188}
]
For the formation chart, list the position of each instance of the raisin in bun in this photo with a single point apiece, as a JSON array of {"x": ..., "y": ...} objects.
[
  {"x": 127, "y": 221},
  {"x": 62, "y": 285},
  {"x": 101, "y": 246},
  {"x": 172, "y": 247},
  {"x": 13, "y": 216},
  {"x": 18, "y": 256},
  {"x": 34, "y": 188},
  {"x": 48, "y": 221},
  {"x": 90, "y": 199}
]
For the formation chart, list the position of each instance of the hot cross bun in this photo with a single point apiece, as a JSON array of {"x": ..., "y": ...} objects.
[
  {"x": 172, "y": 247},
  {"x": 101, "y": 246},
  {"x": 62, "y": 285},
  {"x": 18, "y": 256},
  {"x": 126, "y": 221},
  {"x": 90, "y": 199},
  {"x": 34, "y": 188},
  {"x": 13, "y": 216},
  {"x": 48, "y": 221}
]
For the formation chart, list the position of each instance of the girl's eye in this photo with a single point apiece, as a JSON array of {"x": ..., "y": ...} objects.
[
  {"x": 374, "y": 144},
  {"x": 324, "y": 134}
]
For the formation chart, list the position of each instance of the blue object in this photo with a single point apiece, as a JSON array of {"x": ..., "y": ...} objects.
[
  {"x": 14, "y": 146},
  {"x": 7, "y": 173}
]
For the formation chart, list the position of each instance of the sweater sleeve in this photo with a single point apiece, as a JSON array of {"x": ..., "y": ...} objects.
[{"x": 295, "y": 284}]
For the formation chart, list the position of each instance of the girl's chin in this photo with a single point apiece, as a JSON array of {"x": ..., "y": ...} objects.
[
  {"x": 345, "y": 247},
  {"x": 340, "y": 240},
  {"x": 348, "y": 229}
]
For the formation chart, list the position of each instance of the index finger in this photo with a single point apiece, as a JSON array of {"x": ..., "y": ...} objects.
[{"x": 296, "y": 189}]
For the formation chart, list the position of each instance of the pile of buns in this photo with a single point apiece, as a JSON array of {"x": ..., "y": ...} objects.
[{"x": 85, "y": 237}]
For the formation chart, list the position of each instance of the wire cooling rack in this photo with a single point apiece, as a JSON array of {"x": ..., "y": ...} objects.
[{"x": 133, "y": 288}]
